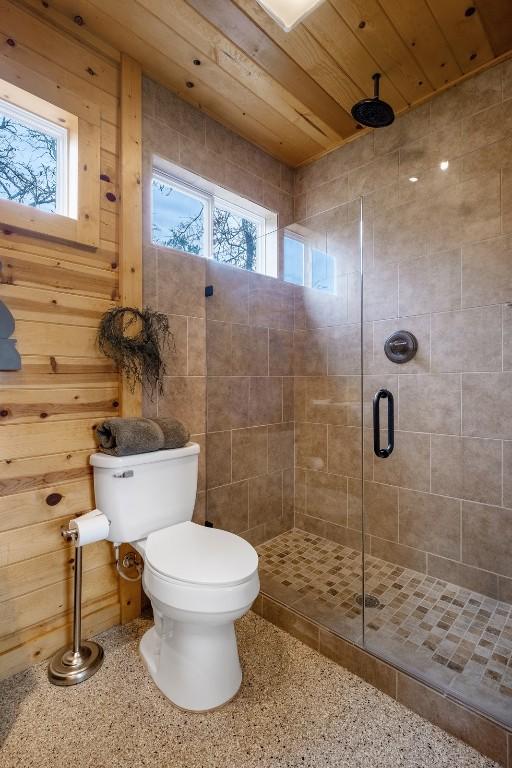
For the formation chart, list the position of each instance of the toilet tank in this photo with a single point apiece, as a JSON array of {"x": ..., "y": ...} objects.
[{"x": 147, "y": 491}]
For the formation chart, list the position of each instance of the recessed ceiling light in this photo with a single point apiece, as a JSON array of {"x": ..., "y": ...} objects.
[
  {"x": 413, "y": 178},
  {"x": 444, "y": 165},
  {"x": 288, "y": 13}
]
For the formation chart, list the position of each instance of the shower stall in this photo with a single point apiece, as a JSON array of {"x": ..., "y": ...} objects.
[{"x": 358, "y": 424}]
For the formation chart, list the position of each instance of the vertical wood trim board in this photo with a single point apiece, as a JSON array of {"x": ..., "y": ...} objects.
[{"x": 130, "y": 261}]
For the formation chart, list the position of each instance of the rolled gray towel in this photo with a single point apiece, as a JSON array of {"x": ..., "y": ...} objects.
[
  {"x": 125, "y": 437},
  {"x": 176, "y": 435}
]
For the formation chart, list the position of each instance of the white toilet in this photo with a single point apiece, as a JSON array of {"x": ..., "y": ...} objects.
[{"x": 199, "y": 579}]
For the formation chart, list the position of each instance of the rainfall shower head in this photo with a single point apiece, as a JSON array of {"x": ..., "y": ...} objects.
[{"x": 374, "y": 113}]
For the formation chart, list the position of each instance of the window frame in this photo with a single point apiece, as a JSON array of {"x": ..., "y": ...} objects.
[
  {"x": 57, "y": 132},
  {"x": 215, "y": 196},
  {"x": 81, "y": 119}
]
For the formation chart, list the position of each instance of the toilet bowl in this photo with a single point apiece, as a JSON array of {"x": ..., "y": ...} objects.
[{"x": 199, "y": 579}]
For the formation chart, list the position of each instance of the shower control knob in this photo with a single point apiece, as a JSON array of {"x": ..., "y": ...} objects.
[{"x": 401, "y": 347}]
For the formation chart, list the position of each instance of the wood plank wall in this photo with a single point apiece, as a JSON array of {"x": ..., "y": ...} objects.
[{"x": 48, "y": 410}]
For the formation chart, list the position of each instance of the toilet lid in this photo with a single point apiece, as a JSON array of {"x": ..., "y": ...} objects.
[{"x": 200, "y": 555}]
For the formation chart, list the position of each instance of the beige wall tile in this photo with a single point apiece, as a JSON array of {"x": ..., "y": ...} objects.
[
  {"x": 175, "y": 356},
  {"x": 270, "y": 302},
  {"x": 481, "y": 733},
  {"x": 466, "y": 340},
  {"x": 317, "y": 309},
  {"x": 490, "y": 157},
  {"x": 487, "y": 537},
  {"x": 360, "y": 663},
  {"x": 161, "y": 138},
  {"x": 344, "y": 451},
  {"x": 380, "y": 293},
  {"x": 180, "y": 283},
  {"x": 327, "y": 195},
  {"x": 408, "y": 127},
  {"x": 149, "y": 291},
  {"x": 408, "y": 465},
  {"x": 487, "y": 272},
  {"x": 311, "y": 446},
  {"x": 465, "y": 212},
  {"x": 507, "y": 473},
  {"x": 288, "y": 398},
  {"x": 428, "y": 151},
  {"x": 335, "y": 164},
  {"x": 471, "y": 96},
  {"x": 487, "y": 405},
  {"x": 227, "y": 507},
  {"x": 430, "y": 523},
  {"x": 218, "y": 348},
  {"x": 196, "y": 348},
  {"x": 265, "y": 498},
  {"x": 310, "y": 352},
  {"x": 249, "y": 351},
  {"x": 344, "y": 349},
  {"x": 230, "y": 300},
  {"x": 380, "y": 504},
  {"x": 281, "y": 446},
  {"x": 430, "y": 284},
  {"x": 486, "y": 127},
  {"x": 379, "y": 172},
  {"x": 467, "y": 468},
  {"x": 265, "y": 400},
  {"x": 200, "y": 160},
  {"x": 228, "y": 402},
  {"x": 430, "y": 403},
  {"x": 280, "y": 350},
  {"x": 507, "y": 337},
  {"x": 218, "y": 465},
  {"x": 400, "y": 233},
  {"x": 457, "y": 573},
  {"x": 172, "y": 110},
  {"x": 506, "y": 200},
  {"x": 185, "y": 398},
  {"x": 326, "y": 497},
  {"x": 392, "y": 552},
  {"x": 250, "y": 451}
]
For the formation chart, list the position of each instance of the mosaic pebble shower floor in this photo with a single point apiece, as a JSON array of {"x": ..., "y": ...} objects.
[{"x": 451, "y": 636}]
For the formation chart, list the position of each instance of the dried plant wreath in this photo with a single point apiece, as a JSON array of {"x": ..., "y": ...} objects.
[{"x": 135, "y": 340}]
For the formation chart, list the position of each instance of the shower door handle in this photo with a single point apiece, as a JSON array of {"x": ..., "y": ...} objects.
[{"x": 382, "y": 394}]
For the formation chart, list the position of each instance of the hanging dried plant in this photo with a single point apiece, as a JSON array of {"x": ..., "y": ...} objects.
[{"x": 135, "y": 340}]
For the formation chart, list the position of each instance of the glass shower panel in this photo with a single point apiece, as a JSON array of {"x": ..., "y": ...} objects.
[
  {"x": 437, "y": 512},
  {"x": 283, "y": 440}
]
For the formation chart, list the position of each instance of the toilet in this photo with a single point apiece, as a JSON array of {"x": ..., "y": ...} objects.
[{"x": 199, "y": 579}]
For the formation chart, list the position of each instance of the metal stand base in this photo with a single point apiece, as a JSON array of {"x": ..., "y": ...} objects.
[
  {"x": 68, "y": 668},
  {"x": 72, "y": 665}
]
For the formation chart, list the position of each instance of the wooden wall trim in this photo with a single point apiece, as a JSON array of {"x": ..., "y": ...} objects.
[{"x": 130, "y": 253}]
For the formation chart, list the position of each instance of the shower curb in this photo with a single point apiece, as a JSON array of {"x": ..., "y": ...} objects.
[{"x": 483, "y": 734}]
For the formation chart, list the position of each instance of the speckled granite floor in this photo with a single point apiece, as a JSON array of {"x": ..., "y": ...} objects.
[{"x": 296, "y": 708}]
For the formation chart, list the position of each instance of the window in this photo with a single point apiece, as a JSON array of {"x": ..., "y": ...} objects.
[
  {"x": 305, "y": 265},
  {"x": 293, "y": 260},
  {"x": 43, "y": 186},
  {"x": 33, "y": 160},
  {"x": 195, "y": 216}
]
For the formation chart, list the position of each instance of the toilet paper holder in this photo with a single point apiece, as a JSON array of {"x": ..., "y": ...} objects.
[{"x": 72, "y": 665}]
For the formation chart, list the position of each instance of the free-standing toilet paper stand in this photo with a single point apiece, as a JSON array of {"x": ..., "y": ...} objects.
[{"x": 72, "y": 665}]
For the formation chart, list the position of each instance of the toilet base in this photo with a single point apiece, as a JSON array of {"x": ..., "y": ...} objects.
[{"x": 196, "y": 666}]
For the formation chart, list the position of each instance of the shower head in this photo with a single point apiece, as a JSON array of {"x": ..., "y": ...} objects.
[{"x": 374, "y": 113}]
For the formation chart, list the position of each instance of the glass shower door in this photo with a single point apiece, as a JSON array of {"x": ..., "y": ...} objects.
[
  {"x": 284, "y": 460},
  {"x": 436, "y": 494}
]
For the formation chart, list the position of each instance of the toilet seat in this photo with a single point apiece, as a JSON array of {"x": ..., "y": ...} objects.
[
  {"x": 198, "y": 569},
  {"x": 201, "y": 556}
]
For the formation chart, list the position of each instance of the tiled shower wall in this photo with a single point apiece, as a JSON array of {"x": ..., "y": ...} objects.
[
  {"x": 438, "y": 262},
  {"x": 241, "y": 412}
]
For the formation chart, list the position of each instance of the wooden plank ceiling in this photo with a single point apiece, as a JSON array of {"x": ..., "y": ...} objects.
[{"x": 291, "y": 93}]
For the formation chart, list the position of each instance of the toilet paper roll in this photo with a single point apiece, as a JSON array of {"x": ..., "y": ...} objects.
[{"x": 91, "y": 527}]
